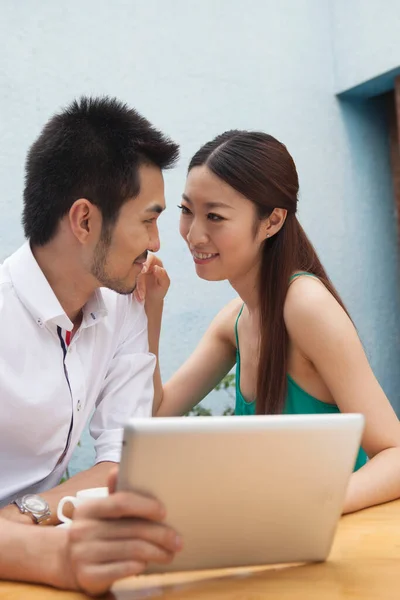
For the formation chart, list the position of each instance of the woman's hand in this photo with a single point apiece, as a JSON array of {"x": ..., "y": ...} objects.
[{"x": 153, "y": 282}]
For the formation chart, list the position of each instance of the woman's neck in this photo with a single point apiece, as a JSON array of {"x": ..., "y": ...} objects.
[{"x": 247, "y": 288}]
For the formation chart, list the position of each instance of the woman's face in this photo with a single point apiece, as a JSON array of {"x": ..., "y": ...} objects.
[{"x": 220, "y": 227}]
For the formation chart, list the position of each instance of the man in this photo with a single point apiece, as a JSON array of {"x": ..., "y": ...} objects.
[
  {"x": 94, "y": 190},
  {"x": 109, "y": 538}
]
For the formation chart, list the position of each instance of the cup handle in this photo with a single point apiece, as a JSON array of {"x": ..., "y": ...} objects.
[{"x": 63, "y": 501}]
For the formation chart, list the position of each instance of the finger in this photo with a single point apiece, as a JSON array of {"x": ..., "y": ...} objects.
[
  {"x": 97, "y": 579},
  {"x": 126, "y": 529},
  {"x": 140, "y": 289},
  {"x": 112, "y": 480},
  {"x": 162, "y": 277},
  {"x": 122, "y": 505},
  {"x": 150, "y": 262},
  {"x": 101, "y": 552},
  {"x": 153, "y": 260}
]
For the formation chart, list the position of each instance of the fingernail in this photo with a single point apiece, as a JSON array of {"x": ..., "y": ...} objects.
[
  {"x": 178, "y": 542},
  {"x": 144, "y": 269}
]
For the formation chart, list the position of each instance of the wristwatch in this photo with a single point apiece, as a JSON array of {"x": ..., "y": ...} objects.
[{"x": 35, "y": 506}]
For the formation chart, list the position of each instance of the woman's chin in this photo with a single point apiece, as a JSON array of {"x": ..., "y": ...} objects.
[{"x": 209, "y": 276}]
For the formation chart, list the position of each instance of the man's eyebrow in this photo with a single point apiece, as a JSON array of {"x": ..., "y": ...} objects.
[
  {"x": 209, "y": 205},
  {"x": 155, "y": 208}
]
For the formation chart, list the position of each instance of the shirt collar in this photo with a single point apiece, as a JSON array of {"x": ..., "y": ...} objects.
[
  {"x": 36, "y": 294},
  {"x": 94, "y": 310}
]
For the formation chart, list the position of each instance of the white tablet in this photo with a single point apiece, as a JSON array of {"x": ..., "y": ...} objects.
[{"x": 244, "y": 490}]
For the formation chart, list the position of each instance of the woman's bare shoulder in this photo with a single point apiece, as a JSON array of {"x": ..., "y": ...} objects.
[{"x": 224, "y": 322}]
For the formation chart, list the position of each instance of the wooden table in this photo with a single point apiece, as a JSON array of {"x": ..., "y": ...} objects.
[{"x": 364, "y": 563}]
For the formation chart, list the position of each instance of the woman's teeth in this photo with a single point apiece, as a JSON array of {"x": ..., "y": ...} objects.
[{"x": 203, "y": 256}]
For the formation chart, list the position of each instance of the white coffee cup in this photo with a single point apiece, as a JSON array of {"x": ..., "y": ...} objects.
[{"x": 81, "y": 497}]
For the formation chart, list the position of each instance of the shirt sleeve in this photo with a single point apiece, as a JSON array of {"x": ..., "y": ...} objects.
[{"x": 128, "y": 389}]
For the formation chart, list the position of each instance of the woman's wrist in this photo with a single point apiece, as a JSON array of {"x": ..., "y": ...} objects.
[
  {"x": 154, "y": 317},
  {"x": 155, "y": 303}
]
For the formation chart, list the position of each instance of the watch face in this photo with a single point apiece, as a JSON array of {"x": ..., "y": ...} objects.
[{"x": 35, "y": 504}]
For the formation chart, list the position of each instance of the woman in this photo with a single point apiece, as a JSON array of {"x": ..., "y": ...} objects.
[{"x": 295, "y": 346}]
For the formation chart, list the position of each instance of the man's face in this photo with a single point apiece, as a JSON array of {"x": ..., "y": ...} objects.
[{"x": 122, "y": 249}]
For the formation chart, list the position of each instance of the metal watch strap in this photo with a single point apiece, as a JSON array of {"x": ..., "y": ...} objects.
[{"x": 37, "y": 517}]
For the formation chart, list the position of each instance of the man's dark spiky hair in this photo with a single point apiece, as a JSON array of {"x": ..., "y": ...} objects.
[{"x": 92, "y": 149}]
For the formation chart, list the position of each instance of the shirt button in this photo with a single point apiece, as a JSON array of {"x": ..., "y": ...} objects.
[
  {"x": 39, "y": 322},
  {"x": 78, "y": 405}
]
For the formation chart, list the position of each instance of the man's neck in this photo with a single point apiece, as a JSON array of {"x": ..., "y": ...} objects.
[{"x": 66, "y": 279}]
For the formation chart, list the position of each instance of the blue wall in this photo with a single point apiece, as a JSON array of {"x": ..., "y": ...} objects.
[
  {"x": 372, "y": 267},
  {"x": 197, "y": 68},
  {"x": 365, "y": 40}
]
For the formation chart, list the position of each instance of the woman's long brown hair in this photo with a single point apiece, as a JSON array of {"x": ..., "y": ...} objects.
[{"x": 261, "y": 169}]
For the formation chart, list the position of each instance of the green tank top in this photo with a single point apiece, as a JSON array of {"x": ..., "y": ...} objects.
[{"x": 297, "y": 402}]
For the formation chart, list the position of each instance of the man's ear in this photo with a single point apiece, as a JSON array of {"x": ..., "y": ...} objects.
[{"x": 84, "y": 219}]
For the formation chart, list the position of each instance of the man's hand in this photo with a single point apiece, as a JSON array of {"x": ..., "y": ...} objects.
[
  {"x": 153, "y": 282},
  {"x": 109, "y": 538},
  {"x": 115, "y": 537}
]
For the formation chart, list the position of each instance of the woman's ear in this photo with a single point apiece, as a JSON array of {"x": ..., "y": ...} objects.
[{"x": 274, "y": 222}]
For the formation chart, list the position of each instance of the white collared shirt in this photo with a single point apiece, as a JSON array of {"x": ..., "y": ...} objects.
[{"x": 48, "y": 391}]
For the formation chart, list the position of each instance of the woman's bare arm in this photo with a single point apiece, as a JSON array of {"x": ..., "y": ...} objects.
[{"x": 325, "y": 335}]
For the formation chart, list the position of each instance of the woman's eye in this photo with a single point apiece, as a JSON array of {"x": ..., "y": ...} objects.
[
  {"x": 214, "y": 217},
  {"x": 184, "y": 210}
]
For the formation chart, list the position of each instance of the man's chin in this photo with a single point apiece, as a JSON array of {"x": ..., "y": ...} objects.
[
  {"x": 120, "y": 288},
  {"x": 126, "y": 291}
]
